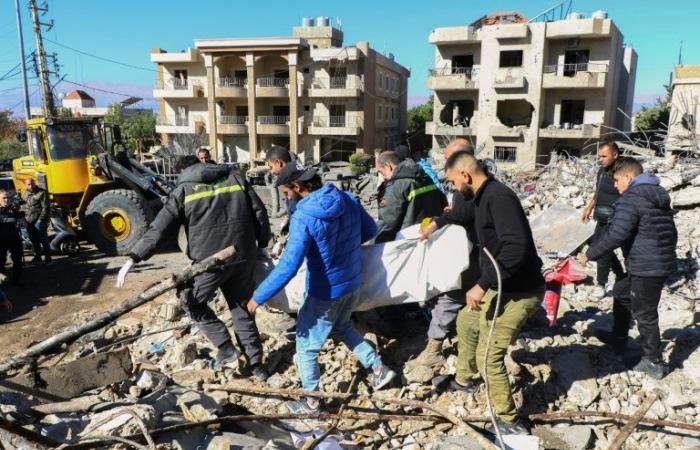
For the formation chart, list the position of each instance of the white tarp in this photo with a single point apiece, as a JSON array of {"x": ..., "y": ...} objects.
[{"x": 402, "y": 271}]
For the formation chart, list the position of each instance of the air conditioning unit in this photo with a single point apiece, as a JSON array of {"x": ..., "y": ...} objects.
[{"x": 573, "y": 42}]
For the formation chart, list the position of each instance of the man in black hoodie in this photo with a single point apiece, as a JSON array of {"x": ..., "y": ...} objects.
[
  {"x": 406, "y": 197},
  {"x": 643, "y": 227},
  {"x": 503, "y": 229},
  {"x": 219, "y": 208}
]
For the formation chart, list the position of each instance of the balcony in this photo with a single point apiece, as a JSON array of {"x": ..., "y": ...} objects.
[
  {"x": 507, "y": 132},
  {"x": 232, "y": 125},
  {"x": 273, "y": 125},
  {"x": 585, "y": 131},
  {"x": 441, "y": 129},
  {"x": 191, "y": 55},
  {"x": 347, "y": 125},
  {"x": 350, "y": 86},
  {"x": 453, "y": 78},
  {"x": 578, "y": 28},
  {"x": 453, "y": 35},
  {"x": 511, "y": 78},
  {"x": 567, "y": 76},
  {"x": 272, "y": 87},
  {"x": 177, "y": 88},
  {"x": 180, "y": 125},
  {"x": 232, "y": 87}
]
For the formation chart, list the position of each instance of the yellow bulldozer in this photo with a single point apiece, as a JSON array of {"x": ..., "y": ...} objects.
[{"x": 95, "y": 188}]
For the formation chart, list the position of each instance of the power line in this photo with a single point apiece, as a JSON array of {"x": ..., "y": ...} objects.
[
  {"x": 97, "y": 89},
  {"x": 101, "y": 57}
]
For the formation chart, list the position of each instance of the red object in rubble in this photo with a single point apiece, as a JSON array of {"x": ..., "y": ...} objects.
[{"x": 565, "y": 272}]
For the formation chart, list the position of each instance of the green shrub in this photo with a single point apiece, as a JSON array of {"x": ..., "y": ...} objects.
[{"x": 360, "y": 163}]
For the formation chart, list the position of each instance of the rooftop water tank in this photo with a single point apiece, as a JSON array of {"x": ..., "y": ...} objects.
[
  {"x": 307, "y": 22},
  {"x": 600, "y": 14},
  {"x": 575, "y": 16},
  {"x": 323, "y": 21}
]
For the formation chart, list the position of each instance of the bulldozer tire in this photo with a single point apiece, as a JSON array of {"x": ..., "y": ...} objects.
[{"x": 115, "y": 220}]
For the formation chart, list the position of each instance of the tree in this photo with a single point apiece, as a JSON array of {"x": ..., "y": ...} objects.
[
  {"x": 651, "y": 124},
  {"x": 415, "y": 129},
  {"x": 139, "y": 128},
  {"x": 115, "y": 114},
  {"x": 8, "y": 124}
]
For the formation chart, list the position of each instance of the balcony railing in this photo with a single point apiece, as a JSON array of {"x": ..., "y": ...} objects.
[
  {"x": 233, "y": 82},
  {"x": 572, "y": 69},
  {"x": 173, "y": 122},
  {"x": 233, "y": 120},
  {"x": 176, "y": 84},
  {"x": 273, "y": 82},
  {"x": 469, "y": 72},
  {"x": 336, "y": 121},
  {"x": 273, "y": 120}
]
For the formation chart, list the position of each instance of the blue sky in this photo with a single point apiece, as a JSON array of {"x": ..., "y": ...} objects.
[{"x": 126, "y": 30}]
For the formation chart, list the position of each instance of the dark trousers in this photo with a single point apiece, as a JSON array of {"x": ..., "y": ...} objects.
[
  {"x": 237, "y": 285},
  {"x": 12, "y": 244},
  {"x": 608, "y": 261},
  {"x": 38, "y": 234},
  {"x": 638, "y": 298}
]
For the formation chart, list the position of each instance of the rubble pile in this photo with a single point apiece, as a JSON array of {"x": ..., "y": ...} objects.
[{"x": 167, "y": 380}]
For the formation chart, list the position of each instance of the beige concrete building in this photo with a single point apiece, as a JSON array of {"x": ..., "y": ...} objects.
[
  {"x": 521, "y": 89},
  {"x": 683, "y": 129},
  {"x": 307, "y": 92}
]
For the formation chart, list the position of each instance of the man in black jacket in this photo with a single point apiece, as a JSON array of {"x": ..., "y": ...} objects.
[
  {"x": 643, "y": 227},
  {"x": 406, "y": 197},
  {"x": 219, "y": 209},
  {"x": 37, "y": 217},
  {"x": 601, "y": 207},
  {"x": 503, "y": 229},
  {"x": 445, "y": 307},
  {"x": 10, "y": 240}
]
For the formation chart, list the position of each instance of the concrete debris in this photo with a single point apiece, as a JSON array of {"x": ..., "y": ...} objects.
[{"x": 160, "y": 373}]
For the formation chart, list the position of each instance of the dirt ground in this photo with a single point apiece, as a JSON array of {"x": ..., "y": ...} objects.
[{"x": 53, "y": 297}]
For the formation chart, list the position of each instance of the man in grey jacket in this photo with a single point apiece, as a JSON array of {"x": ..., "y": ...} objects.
[
  {"x": 219, "y": 209},
  {"x": 37, "y": 217}
]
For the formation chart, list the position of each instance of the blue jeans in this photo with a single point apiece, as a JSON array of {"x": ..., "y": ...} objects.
[
  {"x": 319, "y": 319},
  {"x": 38, "y": 234}
]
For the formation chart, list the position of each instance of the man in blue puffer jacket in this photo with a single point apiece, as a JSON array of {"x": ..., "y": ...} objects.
[
  {"x": 327, "y": 229},
  {"x": 643, "y": 227}
]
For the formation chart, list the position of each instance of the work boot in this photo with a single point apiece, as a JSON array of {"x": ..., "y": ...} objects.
[
  {"x": 306, "y": 405},
  {"x": 381, "y": 376},
  {"x": 517, "y": 427},
  {"x": 653, "y": 369},
  {"x": 225, "y": 354},
  {"x": 431, "y": 356}
]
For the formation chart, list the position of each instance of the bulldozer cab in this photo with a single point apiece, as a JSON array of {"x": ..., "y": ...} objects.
[{"x": 59, "y": 150}]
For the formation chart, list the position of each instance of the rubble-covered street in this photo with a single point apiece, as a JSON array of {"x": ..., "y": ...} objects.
[{"x": 154, "y": 385}]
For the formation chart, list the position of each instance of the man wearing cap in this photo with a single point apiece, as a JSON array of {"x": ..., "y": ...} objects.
[
  {"x": 406, "y": 197},
  {"x": 218, "y": 209},
  {"x": 326, "y": 230}
]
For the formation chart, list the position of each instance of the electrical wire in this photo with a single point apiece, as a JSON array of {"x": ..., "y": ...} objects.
[
  {"x": 148, "y": 69},
  {"x": 97, "y": 89},
  {"x": 489, "y": 401}
]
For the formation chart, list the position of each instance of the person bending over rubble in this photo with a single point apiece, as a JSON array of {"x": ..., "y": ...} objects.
[
  {"x": 602, "y": 207},
  {"x": 326, "y": 230},
  {"x": 643, "y": 227},
  {"x": 406, "y": 197},
  {"x": 503, "y": 229},
  {"x": 219, "y": 209},
  {"x": 446, "y": 306}
]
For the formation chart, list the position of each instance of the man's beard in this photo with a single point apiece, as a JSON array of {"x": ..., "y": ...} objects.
[{"x": 467, "y": 192}]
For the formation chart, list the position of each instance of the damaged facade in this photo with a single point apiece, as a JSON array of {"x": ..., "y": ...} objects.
[
  {"x": 307, "y": 93},
  {"x": 683, "y": 129},
  {"x": 550, "y": 85}
]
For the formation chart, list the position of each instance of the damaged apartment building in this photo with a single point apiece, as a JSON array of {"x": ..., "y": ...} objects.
[
  {"x": 308, "y": 93},
  {"x": 521, "y": 89},
  {"x": 683, "y": 129}
]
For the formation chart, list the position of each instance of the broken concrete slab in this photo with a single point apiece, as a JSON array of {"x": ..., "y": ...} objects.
[
  {"x": 686, "y": 197},
  {"x": 575, "y": 374},
  {"x": 68, "y": 380},
  {"x": 568, "y": 437},
  {"x": 559, "y": 230}
]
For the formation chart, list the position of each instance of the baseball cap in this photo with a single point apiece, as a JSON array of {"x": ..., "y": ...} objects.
[{"x": 294, "y": 172}]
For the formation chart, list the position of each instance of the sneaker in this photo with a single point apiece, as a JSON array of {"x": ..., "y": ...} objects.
[
  {"x": 306, "y": 405},
  {"x": 225, "y": 355},
  {"x": 381, "y": 376},
  {"x": 599, "y": 292},
  {"x": 653, "y": 369},
  {"x": 259, "y": 372},
  {"x": 517, "y": 427},
  {"x": 469, "y": 387}
]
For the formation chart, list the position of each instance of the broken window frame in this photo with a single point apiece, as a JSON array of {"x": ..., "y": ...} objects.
[
  {"x": 506, "y": 154},
  {"x": 506, "y": 55}
]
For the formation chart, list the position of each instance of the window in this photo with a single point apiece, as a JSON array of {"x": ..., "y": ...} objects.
[
  {"x": 306, "y": 70},
  {"x": 180, "y": 79},
  {"x": 35, "y": 144},
  {"x": 242, "y": 111},
  {"x": 393, "y": 112},
  {"x": 511, "y": 58},
  {"x": 386, "y": 113},
  {"x": 575, "y": 61},
  {"x": 505, "y": 154},
  {"x": 70, "y": 141},
  {"x": 380, "y": 113},
  {"x": 307, "y": 108},
  {"x": 462, "y": 64},
  {"x": 572, "y": 111}
]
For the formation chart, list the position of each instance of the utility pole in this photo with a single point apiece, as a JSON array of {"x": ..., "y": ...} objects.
[
  {"x": 22, "y": 60},
  {"x": 46, "y": 91}
]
